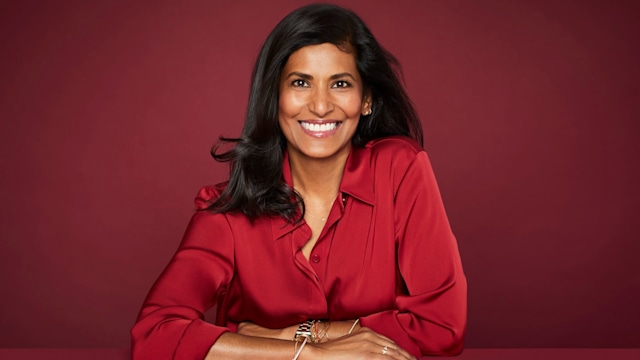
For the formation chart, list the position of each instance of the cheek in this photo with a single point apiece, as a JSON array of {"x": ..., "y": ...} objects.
[
  {"x": 286, "y": 113},
  {"x": 288, "y": 104},
  {"x": 350, "y": 102},
  {"x": 353, "y": 106}
]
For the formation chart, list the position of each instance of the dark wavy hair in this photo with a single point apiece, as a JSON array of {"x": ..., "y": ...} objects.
[{"x": 256, "y": 185}]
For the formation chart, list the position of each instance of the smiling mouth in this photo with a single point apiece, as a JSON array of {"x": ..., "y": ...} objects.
[{"x": 319, "y": 127}]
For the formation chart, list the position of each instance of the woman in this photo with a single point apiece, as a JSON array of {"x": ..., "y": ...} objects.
[{"x": 330, "y": 231}]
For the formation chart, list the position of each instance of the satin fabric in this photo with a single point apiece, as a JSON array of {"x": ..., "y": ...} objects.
[{"x": 386, "y": 255}]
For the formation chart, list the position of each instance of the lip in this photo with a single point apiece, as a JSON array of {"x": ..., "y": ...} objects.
[{"x": 318, "y": 123}]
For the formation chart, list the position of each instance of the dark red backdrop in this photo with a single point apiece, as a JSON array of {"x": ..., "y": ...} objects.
[{"x": 108, "y": 110}]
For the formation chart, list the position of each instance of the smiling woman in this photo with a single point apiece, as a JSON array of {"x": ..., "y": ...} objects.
[
  {"x": 321, "y": 101},
  {"x": 330, "y": 231}
]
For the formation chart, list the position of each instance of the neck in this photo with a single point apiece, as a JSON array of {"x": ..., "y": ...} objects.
[{"x": 317, "y": 178}]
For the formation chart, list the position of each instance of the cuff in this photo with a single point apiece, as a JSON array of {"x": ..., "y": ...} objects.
[{"x": 197, "y": 339}]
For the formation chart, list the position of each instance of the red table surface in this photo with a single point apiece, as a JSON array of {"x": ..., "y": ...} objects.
[{"x": 468, "y": 354}]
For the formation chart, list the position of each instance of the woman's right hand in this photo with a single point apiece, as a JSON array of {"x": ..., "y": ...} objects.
[{"x": 362, "y": 344}]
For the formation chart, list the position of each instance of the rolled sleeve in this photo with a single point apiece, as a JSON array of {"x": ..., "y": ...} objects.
[
  {"x": 431, "y": 318},
  {"x": 171, "y": 323}
]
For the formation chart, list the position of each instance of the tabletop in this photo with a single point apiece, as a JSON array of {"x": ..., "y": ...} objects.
[{"x": 468, "y": 354}]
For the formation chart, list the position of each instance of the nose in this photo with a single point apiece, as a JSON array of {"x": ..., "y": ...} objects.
[{"x": 320, "y": 103}]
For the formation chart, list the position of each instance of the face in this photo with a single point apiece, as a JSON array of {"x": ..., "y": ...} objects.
[{"x": 321, "y": 99}]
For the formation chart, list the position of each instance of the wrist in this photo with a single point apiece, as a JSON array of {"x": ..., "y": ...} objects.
[
  {"x": 287, "y": 333},
  {"x": 310, "y": 352}
]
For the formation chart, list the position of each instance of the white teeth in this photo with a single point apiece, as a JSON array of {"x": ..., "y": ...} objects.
[{"x": 319, "y": 127}]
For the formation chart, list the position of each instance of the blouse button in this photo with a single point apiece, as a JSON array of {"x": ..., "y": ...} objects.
[{"x": 315, "y": 258}]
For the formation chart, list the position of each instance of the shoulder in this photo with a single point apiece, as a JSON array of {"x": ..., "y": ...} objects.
[
  {"x": 396, "y": 151},
  {"x": 396, "y": 160},
  {"x": 208, "y": 194},
  {"x": 394, "y": 145}
]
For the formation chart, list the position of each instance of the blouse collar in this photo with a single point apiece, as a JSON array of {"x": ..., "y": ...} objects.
[{"x": 357, "y": 182}]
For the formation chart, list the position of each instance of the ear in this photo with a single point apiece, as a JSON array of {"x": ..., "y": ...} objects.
[{"x": 367, "y": 104}]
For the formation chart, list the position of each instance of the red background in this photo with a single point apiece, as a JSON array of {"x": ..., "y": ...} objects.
[{"x": 108, "y": 110}]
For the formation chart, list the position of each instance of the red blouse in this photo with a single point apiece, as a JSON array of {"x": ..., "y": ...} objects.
[{"x": 386, "y": 255}]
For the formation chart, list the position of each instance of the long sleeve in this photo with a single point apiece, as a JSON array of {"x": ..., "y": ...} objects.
[
  {"x": 430, "y": 318},
  {"x": 170, "y": 324},
  {"x": 387, "y": 256}
]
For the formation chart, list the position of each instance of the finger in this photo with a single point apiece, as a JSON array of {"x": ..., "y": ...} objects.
[
  {"x": 383, "y": 341},
  {"x": 397, "y": 355},
  {"x": 404, "y": 354},
  {"x": 396, "y": 352}
]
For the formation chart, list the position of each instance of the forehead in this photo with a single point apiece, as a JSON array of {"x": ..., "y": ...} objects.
[{"x": 320, "y": 59}]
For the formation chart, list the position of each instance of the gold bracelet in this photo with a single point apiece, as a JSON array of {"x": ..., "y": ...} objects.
[
  {"x": 320, "y": 333},
  {"x": 304, "y": 342},
  {"x": 326, "y": 330},
  {"x": 324, "y": 333},
  {"x": 305, "y": 330},
  {"x": 353, "y": 326}
]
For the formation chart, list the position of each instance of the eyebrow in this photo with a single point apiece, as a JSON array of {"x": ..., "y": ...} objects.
[{"x": 309, "y": 77}]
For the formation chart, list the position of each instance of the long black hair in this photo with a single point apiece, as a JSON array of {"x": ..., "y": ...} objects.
[{"x": 256, "y": 185}]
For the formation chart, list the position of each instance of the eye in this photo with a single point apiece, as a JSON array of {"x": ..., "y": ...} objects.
[
  {"x": 299, "y": 83},
  {"x": 341, "y": 84}
]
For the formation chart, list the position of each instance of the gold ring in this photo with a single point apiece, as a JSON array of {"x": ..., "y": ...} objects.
[{"x": 385, "y": 350}]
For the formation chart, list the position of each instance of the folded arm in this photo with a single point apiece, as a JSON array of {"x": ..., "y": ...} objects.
[{"x": 430, "y": 318}]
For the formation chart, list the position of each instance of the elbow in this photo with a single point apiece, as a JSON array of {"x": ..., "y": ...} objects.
[
  {"x": 145, "y": 350},
  {"x": 138, "y": 350},
  {"x": 145, "y": 344},
  {"x": 455, "y": 346},
  {"x": 449, "y": 344}
]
